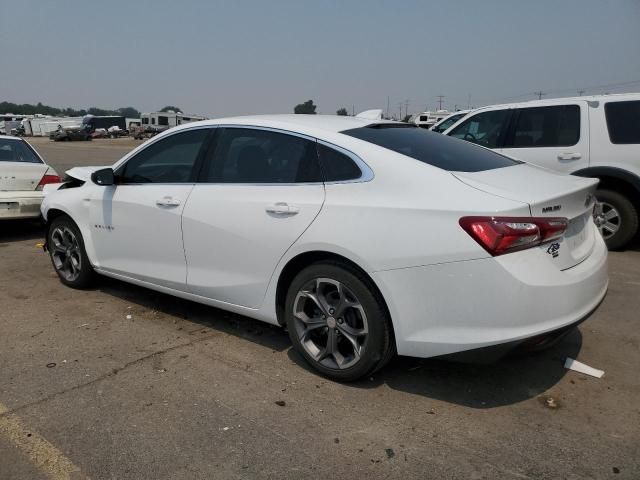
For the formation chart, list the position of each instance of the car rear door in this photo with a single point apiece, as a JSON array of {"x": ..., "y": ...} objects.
[
  {"x": 136, "y": 223},
  {"x": 259, "y": 191},
  {"x": 554, "y": 136}
]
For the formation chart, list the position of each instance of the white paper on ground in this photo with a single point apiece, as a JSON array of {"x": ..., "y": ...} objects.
[{"x": 577, "y": 366}]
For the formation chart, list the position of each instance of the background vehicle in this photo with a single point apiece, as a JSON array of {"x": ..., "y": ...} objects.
[
  {"x": 359, "y": 235},
  {"x": 69, "y": 134},
  {"x": 23, "y": 174},
  {"x": 596, "y": 136},
  {"x": 429, "y": 119},
  {"x": 445, "y": 123}
]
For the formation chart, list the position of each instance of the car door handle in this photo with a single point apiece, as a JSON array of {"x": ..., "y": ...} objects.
[
  {"x": 168, "y": 202},
  {"x": 569, "y": 156},
  {"x": 282, "y": 208}
]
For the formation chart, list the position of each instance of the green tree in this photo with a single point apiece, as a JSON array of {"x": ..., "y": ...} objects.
[
  {"x": 170, "y": 107},
  {"x": 307, "y": 107},
  {"x": 342, "y": 112},
  {"x": 129, "y": 112}
]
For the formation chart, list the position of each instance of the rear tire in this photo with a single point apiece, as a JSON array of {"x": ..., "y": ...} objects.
[
  {"x": 617, "y": 220},
  {"x": 338, "y": 322},
  {"x": 68, "y": 255}
]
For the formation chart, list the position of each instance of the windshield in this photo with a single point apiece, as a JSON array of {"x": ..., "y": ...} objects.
[
  {"x": 438, "y": 150},
  {"x": 447, "y": 122}
]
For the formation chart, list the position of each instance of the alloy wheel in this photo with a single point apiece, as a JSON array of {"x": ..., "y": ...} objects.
[
  {"x": 330, "y": 323},
  {"x": 66, "y": 253},
  {"x": 607, "y": 219}
]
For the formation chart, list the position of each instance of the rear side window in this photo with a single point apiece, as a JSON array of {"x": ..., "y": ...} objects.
[
  {"x": 337, "y": 166},
  {"x": 17, "y": 151},
  {"x": 623, "y": 121},
  {"x": 250, "y": 155},
  {"x": 555, "y": 126},
  {"x": 486, "y": 128},
  {"x": 438, "y": 150}
]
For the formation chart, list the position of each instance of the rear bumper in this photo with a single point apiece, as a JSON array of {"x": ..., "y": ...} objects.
[
  {"x": 460, "y": 306},
  {"x": 15, "y": 205}
]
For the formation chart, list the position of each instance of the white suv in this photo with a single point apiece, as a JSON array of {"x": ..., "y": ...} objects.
[{"x": 596, "y": 136}]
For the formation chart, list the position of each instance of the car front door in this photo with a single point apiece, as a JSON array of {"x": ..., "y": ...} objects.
[
  {"x": 258, "y": 193},
  {"x": 487, "y": 128},
  {"x": 136, "y": 223},
  {"x": 552, "y": 136}
]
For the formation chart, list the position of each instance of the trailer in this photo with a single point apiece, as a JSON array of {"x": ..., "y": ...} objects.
[{"x": 161, "y": 121}]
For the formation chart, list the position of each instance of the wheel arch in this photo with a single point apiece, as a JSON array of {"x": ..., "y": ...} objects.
[
  {"x": 615, "y": 179},
  {"x": 302, "y": 260}
]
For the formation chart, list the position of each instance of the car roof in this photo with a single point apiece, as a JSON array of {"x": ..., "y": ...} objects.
[
  {"x": 309, "y": 124},
  {"x": 9, "y": 137},
  {"x": 561, "y": 100}
]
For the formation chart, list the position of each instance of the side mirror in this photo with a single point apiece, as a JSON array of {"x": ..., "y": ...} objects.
[{"x": 103, "y": 177}]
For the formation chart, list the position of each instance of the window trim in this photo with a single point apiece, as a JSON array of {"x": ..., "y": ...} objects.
[
  {"x": 197, "y": 165},
  {"x": 366, "y": 172},
  {"x": 513, "y": 122}
]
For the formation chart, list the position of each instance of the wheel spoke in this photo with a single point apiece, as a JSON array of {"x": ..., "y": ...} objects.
[
  {"x": 611, "y": 227},
  {"x": 611, "y": 214},
  {"x": 314, "y": 298},
  {"x": 353, "y": 340}
]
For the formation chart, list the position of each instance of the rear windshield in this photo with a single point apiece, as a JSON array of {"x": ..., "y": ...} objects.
[
  {"x": 438, "y": 150},
  {"x": 16, "y": 151}
]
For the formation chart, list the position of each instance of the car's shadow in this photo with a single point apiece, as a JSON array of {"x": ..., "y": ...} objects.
[
  {"x": 19, "y": 230},
  {"x": 505, "y": 382}
]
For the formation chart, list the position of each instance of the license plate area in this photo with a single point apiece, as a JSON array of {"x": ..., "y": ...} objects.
[{"x": 9, "y": 206}]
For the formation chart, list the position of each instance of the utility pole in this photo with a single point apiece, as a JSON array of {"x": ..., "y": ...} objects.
[
  {"x": 539, "y": 94},
  {"x": 387, "y": 106},
  {"x": 469, "y": 102},
  {"x": 400, "y": 107},
  {"x": 440, "y": 97},
  {"x": 406, "y": 108},
  {"x": 580, "y": 92},
  {"x": 353, "y": 110}
]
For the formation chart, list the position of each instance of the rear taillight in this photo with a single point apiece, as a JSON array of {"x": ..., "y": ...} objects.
[
  {"x": 46, "y": 179},
  {"x": 499, "y": 235}
]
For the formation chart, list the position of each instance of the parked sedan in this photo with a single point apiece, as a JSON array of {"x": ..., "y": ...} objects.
[
  {"x": 69, "y": 134},
  {"x": 364, "y": 238},
  {"x": 23, "y": 174}
]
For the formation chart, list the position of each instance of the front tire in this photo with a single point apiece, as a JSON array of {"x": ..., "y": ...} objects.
[
  {"x": 616, "y": 218},
  {"x": 68, "y": 255},
  {"x": 338, "y": 322}
]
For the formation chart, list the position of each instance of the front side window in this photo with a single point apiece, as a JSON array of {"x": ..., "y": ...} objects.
[
  {"x": 487, "y": 128},
  {"x": 623, "y": 121},
  {"x": 336, "y": 166},
  {"x": 432, "y": 148},
  {"x": 17, "y": 151},
  {"x": 170, "y": 160},
  {"x": 248, "y": 155},
  {"x": 447, "y": 122},
  {"x": 554, "y": 126}
]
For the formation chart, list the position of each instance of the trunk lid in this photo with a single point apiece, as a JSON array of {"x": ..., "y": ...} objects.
[
  {"x": 21, "y": 176},
  {"x": 549, "y": 194}
]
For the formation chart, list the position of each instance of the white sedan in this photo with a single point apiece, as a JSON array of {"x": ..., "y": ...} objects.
[
  {"x": 23, "y": 174},
  {"x": 364, "y": 238}
]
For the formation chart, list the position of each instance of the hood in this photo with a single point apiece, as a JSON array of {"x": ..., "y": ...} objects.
[{"x": 82, "y": 173}]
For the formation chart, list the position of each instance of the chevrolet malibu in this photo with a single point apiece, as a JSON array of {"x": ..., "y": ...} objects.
[{"x": 364, "y": 238}]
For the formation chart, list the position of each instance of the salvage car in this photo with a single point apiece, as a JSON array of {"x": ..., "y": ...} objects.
[
  {"x": 69, "y": 134},
  {"x": 23, "y": 174},
  {"x": 365, "y": 238}
]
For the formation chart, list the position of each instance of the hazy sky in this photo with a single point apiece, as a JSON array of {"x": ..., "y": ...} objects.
[{"x": 238, "y": 57}]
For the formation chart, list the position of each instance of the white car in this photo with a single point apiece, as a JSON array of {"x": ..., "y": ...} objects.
[
  {"x": 23, "y": 174},
  {"x": 363, "y": 237},
  {"x": 446, "y": 122},
  {"x": 595, "y": 136}
]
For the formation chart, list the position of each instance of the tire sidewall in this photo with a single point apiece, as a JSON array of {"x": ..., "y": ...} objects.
[
  {"x": 86, "y": 270},
  {"x": 628, "y": 218},
  {"x": 377, "y": 321}
]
